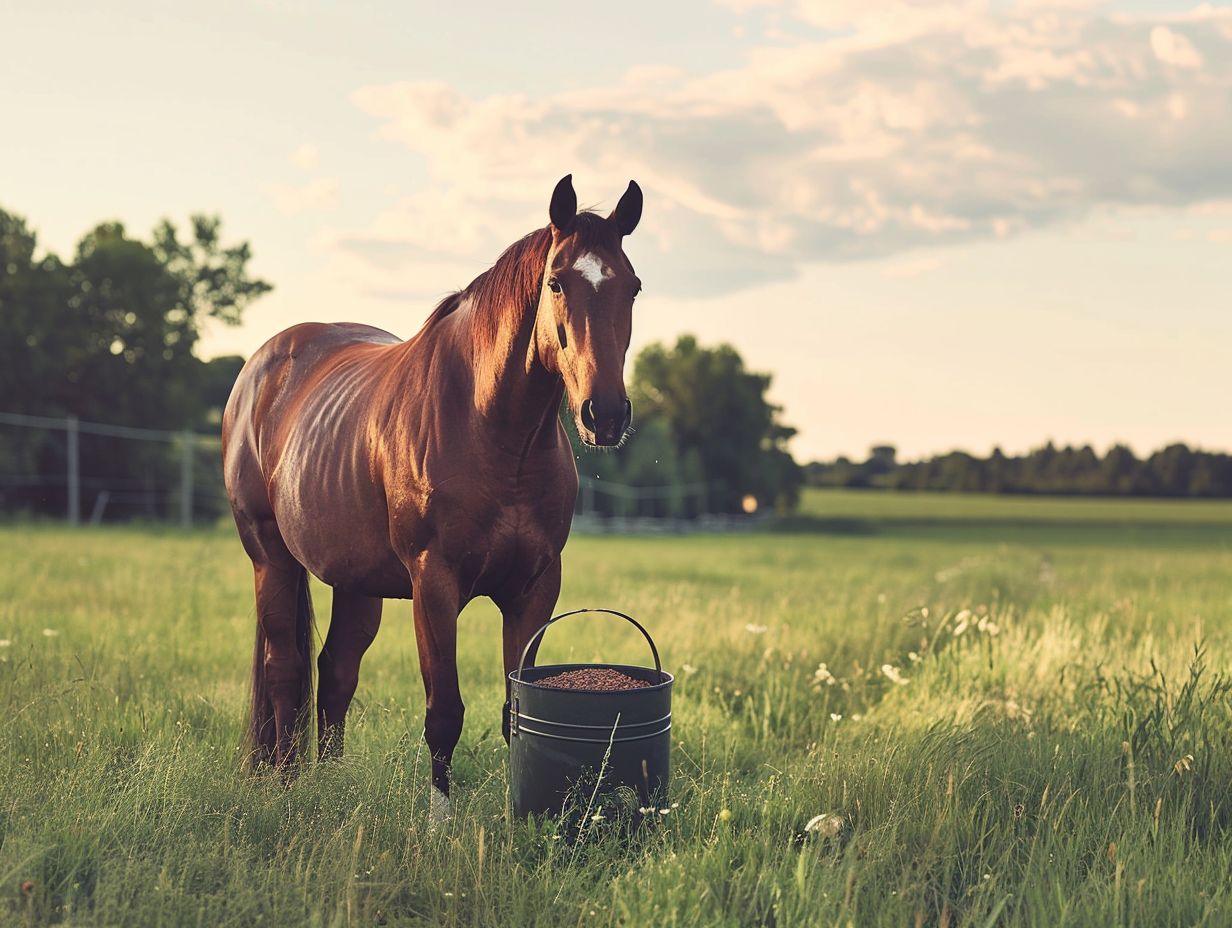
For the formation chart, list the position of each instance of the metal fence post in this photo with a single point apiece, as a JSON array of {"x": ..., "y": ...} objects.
[
  {"x": 74, "y": 471},
  {"x": 186, "y": 479}
]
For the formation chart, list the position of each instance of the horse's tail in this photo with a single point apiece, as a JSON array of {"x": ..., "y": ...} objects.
[{"x": 262, "y": 730}]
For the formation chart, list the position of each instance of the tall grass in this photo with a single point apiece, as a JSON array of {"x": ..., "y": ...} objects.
[{"x": 1034, "y": 729}]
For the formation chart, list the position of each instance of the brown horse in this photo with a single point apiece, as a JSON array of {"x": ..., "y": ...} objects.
[{"x": 435, "y": 469}]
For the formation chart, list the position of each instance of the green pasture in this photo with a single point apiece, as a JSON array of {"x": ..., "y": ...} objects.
[{"x": 1024, "y": 718}]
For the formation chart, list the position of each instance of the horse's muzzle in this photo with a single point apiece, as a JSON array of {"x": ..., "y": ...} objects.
[{"x": 607, "y": 423}]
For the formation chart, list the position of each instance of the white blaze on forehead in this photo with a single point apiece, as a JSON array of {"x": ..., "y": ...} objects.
[{"x": 593, "y": 269}]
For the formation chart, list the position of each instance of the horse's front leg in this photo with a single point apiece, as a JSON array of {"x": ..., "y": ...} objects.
[
  {"x": 437, "y": 602},
  {"x": 524, "y": 613}
]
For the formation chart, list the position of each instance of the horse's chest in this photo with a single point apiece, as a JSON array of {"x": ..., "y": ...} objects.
[{"x": 500, "y": 533}]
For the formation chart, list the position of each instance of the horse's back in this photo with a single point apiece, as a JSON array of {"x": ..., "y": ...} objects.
[
  {"x": 275, "y": 392},
  {"x": 283, "y": 367},
  {"x": 303, "y": 347}
]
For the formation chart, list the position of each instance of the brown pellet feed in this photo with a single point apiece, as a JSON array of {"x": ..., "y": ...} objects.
[{"x": 593, "y": 678}]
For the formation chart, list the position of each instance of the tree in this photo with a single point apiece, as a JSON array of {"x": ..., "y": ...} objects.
[
  {"x": 716, "y": 412},
  {"x": 111, "y": 337},
  {"x": 1117, "y": 470},
  {"x": 213, "y": 279},
  {"x": 35, "y": 328}
]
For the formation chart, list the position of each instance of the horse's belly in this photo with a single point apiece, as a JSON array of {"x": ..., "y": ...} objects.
[
  {"x": 334, "y": 520},
  {"x": 347, "y": 548}
]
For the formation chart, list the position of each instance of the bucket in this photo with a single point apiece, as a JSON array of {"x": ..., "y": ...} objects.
[{"x": 589, "y": 749}]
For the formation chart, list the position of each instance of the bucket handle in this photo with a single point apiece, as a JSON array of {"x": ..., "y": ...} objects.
[{"x": 564, "y": 615}]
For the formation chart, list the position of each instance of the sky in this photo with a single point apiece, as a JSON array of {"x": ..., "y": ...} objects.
[{"x": 937, "y": 224}]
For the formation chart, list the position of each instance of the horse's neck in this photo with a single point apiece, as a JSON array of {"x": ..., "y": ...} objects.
[{"x": 512, "y": 389}]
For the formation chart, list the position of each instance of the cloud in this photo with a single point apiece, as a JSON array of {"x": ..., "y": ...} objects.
[
  {"x": 911, "y": 267},
  {"x": 928, "y": 124},
  {"x": 306, "y": 157},
  {"x": 1174, "y": 49},
  {"x": 320, "y": 193}
]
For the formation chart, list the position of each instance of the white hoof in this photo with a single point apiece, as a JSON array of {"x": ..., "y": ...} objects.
[{"x": 440, "y": 809}]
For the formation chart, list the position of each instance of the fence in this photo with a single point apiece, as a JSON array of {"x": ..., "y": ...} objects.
[
  {"x": 180, "y": 483},
  {"x": 41, "y": 461}
]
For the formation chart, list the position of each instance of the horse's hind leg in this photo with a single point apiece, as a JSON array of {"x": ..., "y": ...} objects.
[
  {"x": 282, "y": 676},
  {"x": 282, "y": 656},
  {"x": 353, "y": 625}
]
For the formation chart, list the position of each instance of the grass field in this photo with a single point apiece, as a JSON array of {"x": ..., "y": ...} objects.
[{"x": 1024, "y": 718}]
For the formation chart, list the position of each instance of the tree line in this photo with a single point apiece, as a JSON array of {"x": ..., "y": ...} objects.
[
  {"x": 110, "y": 335},
  {"x": 1174, "y": 471}
]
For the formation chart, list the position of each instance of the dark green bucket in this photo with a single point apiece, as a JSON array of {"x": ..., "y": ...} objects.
[{"x": 582, "y": 749}]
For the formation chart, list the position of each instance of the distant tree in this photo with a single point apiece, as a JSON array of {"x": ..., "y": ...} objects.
[
  {"x": 217, "y": 378},
  {"x": 1175, "y": 470},
  {"x": 1211, "y": 475},
  {"x": 213, "y": 279},
  {"x": 998, "y": 471},
  {"x": 35, "y": 331},
  {"x": 110, "y": 337},
  {"x": 1118, "y": 470},
  {"x": 1168, "y": 471},
  {"x": 700, "y": 418},
  {"x": 717, "y": 410}
]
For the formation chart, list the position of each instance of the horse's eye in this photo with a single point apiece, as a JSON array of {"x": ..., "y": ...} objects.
[{"x": 554, "y": 285}]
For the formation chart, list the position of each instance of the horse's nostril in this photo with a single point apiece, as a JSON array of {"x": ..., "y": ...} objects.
[{"x": 588, "y": 414}]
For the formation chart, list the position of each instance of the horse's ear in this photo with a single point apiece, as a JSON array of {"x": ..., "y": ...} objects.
[
  {"x": 629, "y": 210},
  {"x": 563, "y": 209}
]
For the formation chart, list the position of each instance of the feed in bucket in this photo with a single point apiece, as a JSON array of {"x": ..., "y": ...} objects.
[{"x": 593, "y": 678}]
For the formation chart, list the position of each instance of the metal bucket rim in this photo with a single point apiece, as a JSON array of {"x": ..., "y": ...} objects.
[{"x": 668, "y": 680}]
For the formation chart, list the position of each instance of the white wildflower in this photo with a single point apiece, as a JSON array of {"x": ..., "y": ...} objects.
[
  {"x": 893, "y": 674},
  {"x": 5, "y": 642},
  {"x": 50, "y": 632},
  {"x": 822, "y": 675},
  {"x": 688, "y": 669},
  {"x": 826, "y": 825},
  {"x": 755, "y": 629},
  {"x": 836, "y": 716},
  {"x": 913, "y": 657},
  {"x": 988, "y": 627}
]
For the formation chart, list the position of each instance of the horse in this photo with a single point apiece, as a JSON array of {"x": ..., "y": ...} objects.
[{"x": 435, "y": 469}]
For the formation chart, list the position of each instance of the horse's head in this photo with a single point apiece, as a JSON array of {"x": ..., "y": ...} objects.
[{"x": 586, "y": 310}]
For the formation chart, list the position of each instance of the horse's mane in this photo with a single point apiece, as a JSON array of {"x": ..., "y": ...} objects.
[{"x": 517, "y": 276}]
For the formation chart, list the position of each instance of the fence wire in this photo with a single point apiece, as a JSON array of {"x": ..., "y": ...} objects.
[{"x": 180, "y": 479}]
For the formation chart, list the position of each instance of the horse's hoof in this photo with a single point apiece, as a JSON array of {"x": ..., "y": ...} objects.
[{"x": 440, "y": 809}]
